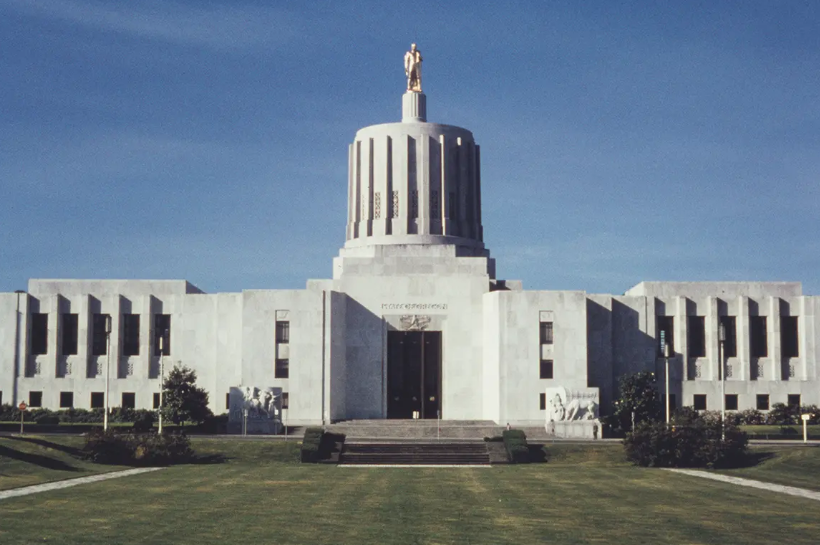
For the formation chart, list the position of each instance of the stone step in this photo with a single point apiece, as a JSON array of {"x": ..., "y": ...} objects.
[{"x": 415, "y": 454}]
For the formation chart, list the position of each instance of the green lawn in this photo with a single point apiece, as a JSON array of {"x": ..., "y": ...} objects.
[
  {"x": 35, "y": 459},
  {"x": 260, "y": 494},
  {"x": 793, "y": 466}
]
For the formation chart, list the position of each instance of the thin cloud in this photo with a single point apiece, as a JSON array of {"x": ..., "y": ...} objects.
[{"x": 215, "y": 27}]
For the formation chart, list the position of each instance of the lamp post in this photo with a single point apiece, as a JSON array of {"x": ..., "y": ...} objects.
[
  {"x": 107, "y": 367},
  {"x": 665, "y": 352},
  {"x": 161, "y": 375},
  {"x": 721, "y": 351},
  {"x": 18, "y": 369}
]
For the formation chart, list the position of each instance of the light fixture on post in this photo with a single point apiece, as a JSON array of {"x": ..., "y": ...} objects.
[
  {"x": 665, "y": 352},
  {"x": 162, "y": 341},
  {"x": 107, "y": 367},
  {"x": 721, "y": 351}
]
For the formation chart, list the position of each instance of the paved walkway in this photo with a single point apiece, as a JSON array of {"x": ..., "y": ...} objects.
[
  {"x": 790, "y": 490},
  {"x": 34, "y": 489}
]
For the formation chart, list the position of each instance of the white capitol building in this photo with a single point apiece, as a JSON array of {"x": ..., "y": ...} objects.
[{"x": 414, "y": 319}]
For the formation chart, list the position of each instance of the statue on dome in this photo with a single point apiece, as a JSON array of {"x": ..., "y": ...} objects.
[{"x": 412, "y": 69}]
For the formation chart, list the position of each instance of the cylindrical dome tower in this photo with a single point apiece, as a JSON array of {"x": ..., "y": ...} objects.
[{"x": 415, "y": 182}]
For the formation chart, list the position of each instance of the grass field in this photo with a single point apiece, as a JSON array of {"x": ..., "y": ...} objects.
[
  {"x": 32, "y": 460},
  {"x": 261, "y": 494},
  {"x": 793, "y": 466}
]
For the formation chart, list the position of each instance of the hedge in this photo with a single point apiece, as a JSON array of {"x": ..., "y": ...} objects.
[
  {"x": 690, "y": 441},
  {"x": 111, "y": 447},
  {"x": 515, "y": 441},
  {"x": 311, "y": 444}
]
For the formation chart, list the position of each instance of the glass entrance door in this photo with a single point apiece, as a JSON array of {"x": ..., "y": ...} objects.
[{"x": 413, "y": 374}]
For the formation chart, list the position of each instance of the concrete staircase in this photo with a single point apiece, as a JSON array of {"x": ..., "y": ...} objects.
[
  {"x": 439, "y": 453},
  {"x": 424, "y": 430}
]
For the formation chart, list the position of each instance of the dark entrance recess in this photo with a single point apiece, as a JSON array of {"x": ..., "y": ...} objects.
[{"x": 413, "y": 374}]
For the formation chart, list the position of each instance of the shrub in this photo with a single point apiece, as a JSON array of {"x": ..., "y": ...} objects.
[
  {"x": 751, "y": 417},
  {"x": 110, "y": 447},
  {"x": 783, "y": 414},
  {"x": 214, "y": 424},
  {"x": 311, "y": 444},
  {"x": 144, "y": 422},
  {"x": 691, "y": 441},
  {"x": 45, "y": 417},
  {"x": 515, "y": 441}
]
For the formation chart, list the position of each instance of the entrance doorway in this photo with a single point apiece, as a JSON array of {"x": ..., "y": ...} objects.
[{"x": 413, "y": 374}]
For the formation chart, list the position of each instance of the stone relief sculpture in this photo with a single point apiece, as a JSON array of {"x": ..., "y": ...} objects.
[
  {"x": 255, "y": 410},
  {"x": 412, "y": 69},
  {"x": 414, "y": 322},
  {"x": 260, "y": 404},
  {"x": 566, "y": 406}
]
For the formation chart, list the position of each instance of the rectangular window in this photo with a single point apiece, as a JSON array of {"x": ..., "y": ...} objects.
[
  {"x": 97, "y": 400},
  {"x": 793, "y": 400},
  {"x": 700, "y": 402},
  {"x": 696, "y": 336},
  {"x": 66, "y": 400},
  {"x": 129, "y": 400},
  {"x": 788, "y": 337},
  {"x": 546, "y": 333},
  {"x": 156, "y": 400},
  {"x": 285, "y": 400},
  {"x": 546, "y": 368},
  {"x": 282, "y": 332},
  {"x": 762, "y": 402},
  {"x": 162, "y": 330},
  {"x": 282, "y": 369},
  {"x": 414, "y": 204},
  {"x": 70, "y": 334},
  {"x": 730, "y": 343},
  {"x": 99, "y": 346},
  {"x": 667, "y": 325},
  {"x": 39, "y": 334},
  {"x": 731, "y": 402},
  {"x": 130, "y": 334},
  {"x": 35, "y": 399},
  {"x": 542, "y": 401},
  {"x": 758, "y": 333}
]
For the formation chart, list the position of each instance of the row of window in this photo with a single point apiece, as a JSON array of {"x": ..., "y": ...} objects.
[
  {"x": 99, "y": 334},
  {"x": 699, "y": 401},
  {"x": 758, "y": 336},
  {"x": 128, "y": 401},
  {"x": 130, "y": 334}
]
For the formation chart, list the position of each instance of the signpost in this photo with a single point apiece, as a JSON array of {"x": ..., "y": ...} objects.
[
  {"x": 22, "y": 406},
  {"x": 805, "y": 418}
]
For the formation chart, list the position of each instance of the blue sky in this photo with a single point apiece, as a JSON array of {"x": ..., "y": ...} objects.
[{"x": 621, "y": 141}]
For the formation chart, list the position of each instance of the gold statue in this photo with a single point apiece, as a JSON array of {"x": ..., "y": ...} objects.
[{"x": 412, "y": 69}]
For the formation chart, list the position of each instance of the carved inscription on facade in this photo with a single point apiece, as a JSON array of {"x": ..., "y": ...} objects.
[{"x": 414, "y": 306}]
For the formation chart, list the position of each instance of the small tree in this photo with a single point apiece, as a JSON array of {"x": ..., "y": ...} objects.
[
  {"x": 183, "y": 401},
  {"x": 639, "y": 394}
]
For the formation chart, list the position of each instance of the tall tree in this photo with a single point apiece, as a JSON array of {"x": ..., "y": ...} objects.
[
  {"x": 638, "y": 394},
  {"x": 183, "y": 400}
]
